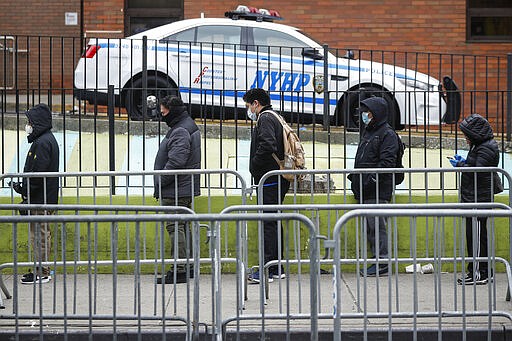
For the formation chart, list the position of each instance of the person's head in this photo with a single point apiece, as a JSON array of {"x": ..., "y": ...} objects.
[
  {"x": 255, "y": 99},
  {"x": 170, "y": 107},
  {"x": 374, "y": 110},
  {"x": 476, "y": 129},
  {"x": 39, "y": 120}
]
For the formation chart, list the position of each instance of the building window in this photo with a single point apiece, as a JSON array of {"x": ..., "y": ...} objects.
[
  {"x": 141, "y": 15},
  {"x": 489, "y": 20}
]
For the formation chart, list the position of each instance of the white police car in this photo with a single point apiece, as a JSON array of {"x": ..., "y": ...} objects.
[{"x": 211, "y": 62}]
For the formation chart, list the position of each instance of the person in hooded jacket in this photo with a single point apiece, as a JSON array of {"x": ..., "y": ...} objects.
[
  {"x": 179, "y": 149},
  {"x": 266, "y": 139},
  {"x": 378, "y": 148},
  {"x": 43, "y": 156},
  {"x": 483, "y": 152}
]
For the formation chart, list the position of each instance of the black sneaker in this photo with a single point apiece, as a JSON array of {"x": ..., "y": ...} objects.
[
  {"x": 254, "y": 278},
  {"x": 469, "y": 279},
  {"x": 181, "y": 277},
  {"x": 30, "y": 278},
  {"x": 371, "y": 271},
  {"x": 29, "y": 273}
]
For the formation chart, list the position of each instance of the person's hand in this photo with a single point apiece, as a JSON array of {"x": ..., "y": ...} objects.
[
  {"x": 16, "y": 186},
  {"x": 457, "y": 160}
]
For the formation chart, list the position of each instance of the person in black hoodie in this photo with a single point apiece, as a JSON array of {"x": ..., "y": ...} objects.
[
  {"x": 179, "y": 149},
  {"x": 266, "y": 139},
  {"x": 378, "y": 148},
  {"x": 483, "y": 152},
  {"x": 43, "y": 156}
]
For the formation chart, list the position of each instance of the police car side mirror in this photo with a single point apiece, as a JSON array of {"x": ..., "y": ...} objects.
[
  {"x": 313, "y": 54},
  {"x": 349, "y": 54}
]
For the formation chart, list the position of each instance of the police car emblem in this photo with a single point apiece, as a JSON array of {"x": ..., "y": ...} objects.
[{"x": 318, "y": 83}]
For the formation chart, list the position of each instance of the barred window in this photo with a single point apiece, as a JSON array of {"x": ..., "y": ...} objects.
[{"x": 489, "y": 20}]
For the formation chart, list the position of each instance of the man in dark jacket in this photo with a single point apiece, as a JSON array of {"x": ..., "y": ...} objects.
[
  {"x": 378, "y": 148},
  {"x": 43, "y": 156},
  {"x": 483, "y": 152},
  {"x": 179, "y": 149},
  {"x": 266, "y": 139}
]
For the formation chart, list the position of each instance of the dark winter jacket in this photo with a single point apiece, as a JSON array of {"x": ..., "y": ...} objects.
[
  {"x": 483, "y": 152},
  {"x": 266, "y": 138},
  {"x": 43, "y": 156},
  {"x": 378, "y": 148},
  {"x": 179, "y": 149}
]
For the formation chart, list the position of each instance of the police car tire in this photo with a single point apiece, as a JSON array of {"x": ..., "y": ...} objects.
[{"x": 134, "y": 91}]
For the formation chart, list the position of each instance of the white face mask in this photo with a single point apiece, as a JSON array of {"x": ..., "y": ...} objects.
[
  {"x": 365, "y": 118},
  {"x": 251, "y": 114},
  {"x": 28, "y": 129}
]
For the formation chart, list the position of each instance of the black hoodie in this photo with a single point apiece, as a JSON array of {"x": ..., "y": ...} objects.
[
  {"x": 43, "y": 156},
  {"x": 483, "y": 152},
  {"x": 378, "y": 148}
]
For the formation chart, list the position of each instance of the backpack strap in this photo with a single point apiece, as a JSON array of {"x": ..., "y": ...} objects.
[{"x": 283, "y": 123}]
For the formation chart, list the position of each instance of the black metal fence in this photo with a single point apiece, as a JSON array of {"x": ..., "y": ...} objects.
[{"x": 428, "y": 93}]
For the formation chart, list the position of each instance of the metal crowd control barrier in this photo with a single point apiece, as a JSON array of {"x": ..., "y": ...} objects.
[
  {"x": 136, "y": 188},
  {"x": 102, "y": 304},
  {"x": 327, "y": 259},
  {"x": 85, "y": 187},
  {"x": 437, "y": 307}
]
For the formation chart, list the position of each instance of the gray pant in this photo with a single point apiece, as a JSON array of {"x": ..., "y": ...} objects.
[
  {"x": 41, "y": 241},
  {"x": 181, "y": 231},
  {"x": 382, "y": 250}
]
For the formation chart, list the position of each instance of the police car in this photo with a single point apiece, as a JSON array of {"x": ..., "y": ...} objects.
[{"x": 211, "y": 62}]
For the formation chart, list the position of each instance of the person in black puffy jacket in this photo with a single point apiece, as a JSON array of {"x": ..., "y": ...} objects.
[
  {"x": 180, "y": 149},
  {"x": 43, "y": 156},
  {"x": 483, "y": 152},
  {"x": 378, "y": 148}
]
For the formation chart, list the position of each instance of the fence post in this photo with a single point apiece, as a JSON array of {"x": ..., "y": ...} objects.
[
  {"x": 327, "y": 106},
  {"x": 509, "y": 95},
  {"x": 111, "y": 136}
]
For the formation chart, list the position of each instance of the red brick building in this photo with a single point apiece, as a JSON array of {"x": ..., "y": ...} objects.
[
  {"x": 457, "y": 27},
  {"x": 402, "y": 25}
]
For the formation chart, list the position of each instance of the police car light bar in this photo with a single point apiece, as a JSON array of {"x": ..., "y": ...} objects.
[{"x": 253, "y": 13}]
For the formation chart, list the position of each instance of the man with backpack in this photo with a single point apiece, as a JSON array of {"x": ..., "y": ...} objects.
[
  {"x": 378, "y": 148},
  {"x": 266, "y": 140}
]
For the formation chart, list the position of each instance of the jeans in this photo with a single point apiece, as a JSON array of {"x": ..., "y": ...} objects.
[{"x": 371, "y": 235}]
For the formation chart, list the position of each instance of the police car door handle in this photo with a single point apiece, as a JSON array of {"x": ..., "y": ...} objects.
[
  {"x": 181, "y": 55},
  {"x": 262, "y": 62}
]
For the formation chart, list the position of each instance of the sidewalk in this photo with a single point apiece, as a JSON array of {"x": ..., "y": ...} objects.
[{"x": 93, "y": 297}]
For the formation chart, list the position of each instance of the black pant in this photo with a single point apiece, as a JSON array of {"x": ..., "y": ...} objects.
[
  {"x": 480, "y": 247},
  {"x": 272, "y": 196}
]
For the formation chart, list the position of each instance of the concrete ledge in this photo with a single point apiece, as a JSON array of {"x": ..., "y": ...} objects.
[{"x": 230, "y": 130}]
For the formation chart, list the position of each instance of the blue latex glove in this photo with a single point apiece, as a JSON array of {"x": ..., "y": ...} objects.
[{"x": 457, "y": 161}]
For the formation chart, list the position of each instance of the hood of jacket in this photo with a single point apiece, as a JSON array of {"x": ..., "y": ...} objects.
[
  {"x": 378, "y": 107},
  {"x": 40, "y": 118},
  {"x": 476, "y": 128}
]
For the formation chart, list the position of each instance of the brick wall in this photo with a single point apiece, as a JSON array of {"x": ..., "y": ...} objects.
[
  {"x": 409, "y": 26},
  {"x": 392, "y": 25},
  {"x": 399, "y": 25}
]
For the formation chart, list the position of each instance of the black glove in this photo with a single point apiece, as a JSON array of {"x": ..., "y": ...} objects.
[{"x": 16, "y": 186}]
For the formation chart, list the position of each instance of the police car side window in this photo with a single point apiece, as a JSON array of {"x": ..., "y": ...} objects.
[
  {"x": 280, "y": 43},
  {"x": 183, "y": 36},
  {"x": 223, "y": 36}
]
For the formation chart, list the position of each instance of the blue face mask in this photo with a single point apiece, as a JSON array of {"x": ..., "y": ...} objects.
[{"x": 365, "y": 118}]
